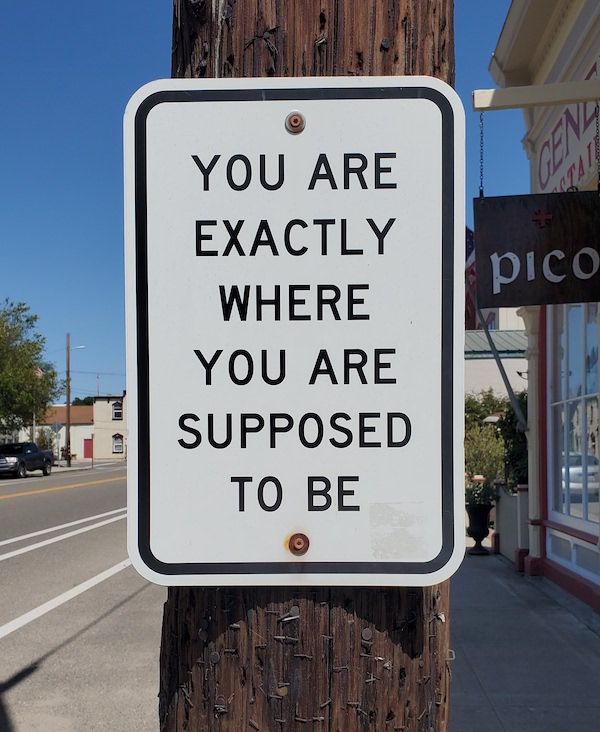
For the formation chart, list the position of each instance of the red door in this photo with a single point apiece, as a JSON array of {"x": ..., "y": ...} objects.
[{"x": 88, "y": 448}]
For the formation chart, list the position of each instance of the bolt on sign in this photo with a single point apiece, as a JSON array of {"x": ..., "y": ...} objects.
[
  {"x": 295, "y": 261},
  {"x": 540, "y": 249}
]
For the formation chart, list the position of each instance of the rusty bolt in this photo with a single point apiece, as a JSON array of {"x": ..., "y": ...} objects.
[
  {"x": 299, "y": 544},
  {"x": 214, "y": 657},
  {"x": 295, "y": 122}
]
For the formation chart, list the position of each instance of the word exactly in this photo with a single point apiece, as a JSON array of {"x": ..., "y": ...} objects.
[{"x": 295, "y": 245}]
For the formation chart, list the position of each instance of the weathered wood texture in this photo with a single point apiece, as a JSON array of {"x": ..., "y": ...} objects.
[
  {"x": 291, "y": 659},
  {"x": 352, "y": 659},
  {"x": 221, "y": 38}
]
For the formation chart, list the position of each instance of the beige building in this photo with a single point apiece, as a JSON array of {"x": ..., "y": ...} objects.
[
  {"x": 110, "y": 427},
  {"x": 98, "y": 432}
]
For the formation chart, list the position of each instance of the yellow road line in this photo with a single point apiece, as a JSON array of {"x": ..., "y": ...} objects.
[{"x": 61, "y": 488}]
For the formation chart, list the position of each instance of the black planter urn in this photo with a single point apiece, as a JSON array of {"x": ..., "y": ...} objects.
[{"x": 478, "y": 529}]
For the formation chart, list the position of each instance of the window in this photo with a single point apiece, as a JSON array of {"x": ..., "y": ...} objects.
[
  {"x": 574, "y": 421},
  {"x": 117, "y": 409},
  {"x": 117, "y": 443}
]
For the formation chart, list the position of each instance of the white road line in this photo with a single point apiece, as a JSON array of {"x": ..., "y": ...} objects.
[
  {"x": 15, "y": 539},
  {"x": 61, "y": 599},
  {"x": 54, "y": 539}
]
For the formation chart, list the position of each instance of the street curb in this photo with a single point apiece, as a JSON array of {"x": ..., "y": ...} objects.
[{"x": 71, "y": 469}]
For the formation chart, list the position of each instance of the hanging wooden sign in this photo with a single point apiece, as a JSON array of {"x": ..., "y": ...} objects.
[{"x": 541, "y": 249}]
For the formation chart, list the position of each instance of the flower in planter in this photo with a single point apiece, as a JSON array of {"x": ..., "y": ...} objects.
[{"x": 479, "y": 490}]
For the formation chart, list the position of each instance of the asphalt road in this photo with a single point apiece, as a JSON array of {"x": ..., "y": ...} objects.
[{"x": 79, "y": 628}]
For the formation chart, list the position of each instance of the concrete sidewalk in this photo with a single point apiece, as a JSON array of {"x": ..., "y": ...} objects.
[{"x": 527, "y": 653}]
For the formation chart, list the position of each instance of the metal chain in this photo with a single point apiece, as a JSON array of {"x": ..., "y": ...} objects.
[
  {"x": 481, "y": 151},
  {"x": 598, "y": 141}
]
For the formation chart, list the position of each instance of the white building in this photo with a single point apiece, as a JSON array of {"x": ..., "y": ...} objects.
[
  {"x": 110, "y": 427},
  {"x": 545, "y": 43}
]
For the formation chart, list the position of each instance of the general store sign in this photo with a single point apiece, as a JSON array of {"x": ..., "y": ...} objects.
[
  {"x": 565, "y": 157},
  {"x": 294, "y": 314}
]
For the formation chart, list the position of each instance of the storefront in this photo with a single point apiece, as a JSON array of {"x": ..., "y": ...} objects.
[{"x": 544, "y": 43}]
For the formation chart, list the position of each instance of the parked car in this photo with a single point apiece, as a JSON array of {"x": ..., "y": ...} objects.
[
  {"x": 18, "y": 458},
  {"x": 576, "y": 474}
]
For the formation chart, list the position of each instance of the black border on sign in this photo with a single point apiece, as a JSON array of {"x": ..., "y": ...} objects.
[{"x": 447, "y": 370}]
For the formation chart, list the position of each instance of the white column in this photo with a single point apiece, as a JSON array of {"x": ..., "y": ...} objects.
[{"x": 531, "y": 316}]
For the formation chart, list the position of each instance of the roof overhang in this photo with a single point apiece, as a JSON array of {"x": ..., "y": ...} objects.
[
  {"x": 525, "y": 35},
  {"x": 509, "y": 344}
]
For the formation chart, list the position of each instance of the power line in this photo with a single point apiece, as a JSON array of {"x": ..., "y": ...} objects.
[
  {"x": 95, "y": 373},
  {"x": 102, "y": 373}
]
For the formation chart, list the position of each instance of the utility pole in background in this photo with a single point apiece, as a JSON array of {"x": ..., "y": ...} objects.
[
  {"x": 68, "y": 405},
  {"x": 297, "y": 658}
]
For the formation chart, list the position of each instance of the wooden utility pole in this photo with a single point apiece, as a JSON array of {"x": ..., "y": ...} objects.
[
  {"x": 286, "y": 659},
  {"x": 68, "y": 404}
]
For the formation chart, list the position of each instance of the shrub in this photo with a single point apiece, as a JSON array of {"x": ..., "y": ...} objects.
[
  {"x": 45, "y": 439},
  {"x": 515, "y": 444},
  {"x": 484, "y": 463}
]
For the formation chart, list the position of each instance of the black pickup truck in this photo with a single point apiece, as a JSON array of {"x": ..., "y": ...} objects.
[{"x": 17, "y": 458}]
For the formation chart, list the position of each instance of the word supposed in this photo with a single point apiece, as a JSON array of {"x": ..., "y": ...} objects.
[{"x": 371, "y": 429}]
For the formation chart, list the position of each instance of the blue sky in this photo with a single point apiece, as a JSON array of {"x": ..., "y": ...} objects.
[{"x": 67, "y": 70}]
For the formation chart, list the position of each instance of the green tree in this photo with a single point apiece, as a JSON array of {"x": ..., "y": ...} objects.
[
  {"x": 498, "y": 451},
  {"x": 28, "y": 384},
  {"x": 85, "y": 402},
  {"x": 515, "y": 443},
  {"x": 483, "y": 404}
]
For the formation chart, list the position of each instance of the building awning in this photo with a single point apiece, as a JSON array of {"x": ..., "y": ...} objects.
[{"x": 510, "y": 344}]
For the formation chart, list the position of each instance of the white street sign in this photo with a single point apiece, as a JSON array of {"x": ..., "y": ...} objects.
[{"x": 295, "y": 305}]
